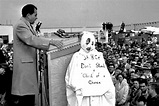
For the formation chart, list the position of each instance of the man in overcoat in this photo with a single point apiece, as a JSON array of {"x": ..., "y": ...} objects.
[{"x": 25, "y": 45}]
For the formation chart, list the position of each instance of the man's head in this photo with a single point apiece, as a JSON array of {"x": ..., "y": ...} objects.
[
  {"x": 143, "y": 85},
  {"x": 117, "y": 71},
  {"x": 29, "y": 12},
  {"x": 136, "y": 83},
  {"x": 120, "y": 77},
  {"x": 111, "y": 68}
]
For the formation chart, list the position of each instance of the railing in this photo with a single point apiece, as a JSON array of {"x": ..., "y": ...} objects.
[{"x": 135, "y": 26}]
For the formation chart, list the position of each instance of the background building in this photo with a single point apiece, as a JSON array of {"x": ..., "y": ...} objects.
[
  {"x": 6, "y": 33},
  {"x": 6, "y": 30}
]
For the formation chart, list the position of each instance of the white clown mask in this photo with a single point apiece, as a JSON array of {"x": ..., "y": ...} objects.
[{"x": 88, "y": 41}]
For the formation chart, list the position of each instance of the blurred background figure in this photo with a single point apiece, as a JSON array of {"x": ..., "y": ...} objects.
[
  {"x": 153, "y": 98},
  {"x": 5, "y": 75},
  {"x": 134, "y": 93},
  {"x": 122, "y": 90}
]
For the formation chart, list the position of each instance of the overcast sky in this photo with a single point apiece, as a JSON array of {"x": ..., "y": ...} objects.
[{"x": 83, "y": 13}]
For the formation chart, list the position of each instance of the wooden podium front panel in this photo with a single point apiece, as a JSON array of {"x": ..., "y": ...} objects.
[
  {"x": 58, "y": 61},
  {"x": 57, "y": 69}
]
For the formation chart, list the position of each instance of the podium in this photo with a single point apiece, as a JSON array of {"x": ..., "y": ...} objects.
[{"x": 57, "y": 62}]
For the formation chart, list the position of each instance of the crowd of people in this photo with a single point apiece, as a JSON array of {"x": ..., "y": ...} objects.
[
  {"x": 6, "y": 69},
  {"x": 134, "y": 68},
  {"x": 133, "y": 65}
]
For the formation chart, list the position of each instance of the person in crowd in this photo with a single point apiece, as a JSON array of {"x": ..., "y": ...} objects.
[
  {"x": 2, "y": 74},
  {"x": 94, "y": 77},
  {"x": 134, "y": 93},
  {"x": 122, "y": 64},
  {"x": 117, "y": 71},
  {"x": 114, "y": 74},
  {"x": 148, "y": 74},
  {"x": 154, "y": 68},
  {"x": 144, "y": 92},
  {"x": 111, "y": 69},
  {"x": 140, "y": 53},
  {"x": 26, "y": 43},
  {"x": 3, "y": 58},
  {"x": 122, "y": 90},
  {"x": 5, "y": 76},
  {"x": 155, "y": 71},
  {"x": 144, "y": 60},
  {"x": 153, "y": 98},
  {"x": 132, "y": 76}
]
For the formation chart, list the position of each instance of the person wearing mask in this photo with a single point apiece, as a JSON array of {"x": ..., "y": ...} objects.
[
  {"x": 94, "y": 77},
  {"x": 26, "y": 43}
]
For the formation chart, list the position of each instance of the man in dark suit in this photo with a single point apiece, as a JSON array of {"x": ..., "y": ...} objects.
[{"x": 26, "y": 43}]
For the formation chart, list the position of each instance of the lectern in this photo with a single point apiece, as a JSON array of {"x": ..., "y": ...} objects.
[{"x": 57, "y": 62}]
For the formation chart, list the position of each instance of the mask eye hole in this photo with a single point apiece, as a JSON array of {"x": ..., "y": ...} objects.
[
  {"x": 92, "y": 43},
  {"x": 88, "y": 41}
]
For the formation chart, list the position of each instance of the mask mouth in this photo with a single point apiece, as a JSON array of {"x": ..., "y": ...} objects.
[{"x": 88, "y": 48}]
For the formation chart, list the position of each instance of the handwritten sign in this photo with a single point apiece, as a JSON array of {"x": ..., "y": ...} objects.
[{"x": 94, "y": 75}]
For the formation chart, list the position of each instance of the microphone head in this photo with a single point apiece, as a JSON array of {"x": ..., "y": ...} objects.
[{"x": 38, "y": 25}]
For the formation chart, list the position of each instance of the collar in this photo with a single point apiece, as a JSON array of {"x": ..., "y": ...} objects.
[
  {"x": 28, "y": 24},
  {"x": 25, "y": 21}
]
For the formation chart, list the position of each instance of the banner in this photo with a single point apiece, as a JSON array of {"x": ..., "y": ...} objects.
[{"x": 92, "y": 73}]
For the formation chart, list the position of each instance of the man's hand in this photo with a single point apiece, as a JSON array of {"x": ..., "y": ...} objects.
[{"x": 57, "y": 43}]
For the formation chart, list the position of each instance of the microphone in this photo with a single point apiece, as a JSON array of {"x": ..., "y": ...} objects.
[{"x": 38, "y": 25}]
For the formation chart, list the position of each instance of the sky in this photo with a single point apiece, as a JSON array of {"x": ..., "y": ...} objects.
[{"x": 82, "y": 13}]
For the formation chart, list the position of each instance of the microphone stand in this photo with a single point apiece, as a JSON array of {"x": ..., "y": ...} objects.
[
  {"x": 40, "y": 69},
  {"x": 41, "y": 60},
  {"x": 42, "y": 87},
  {"x": 40, "y": 76}
]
